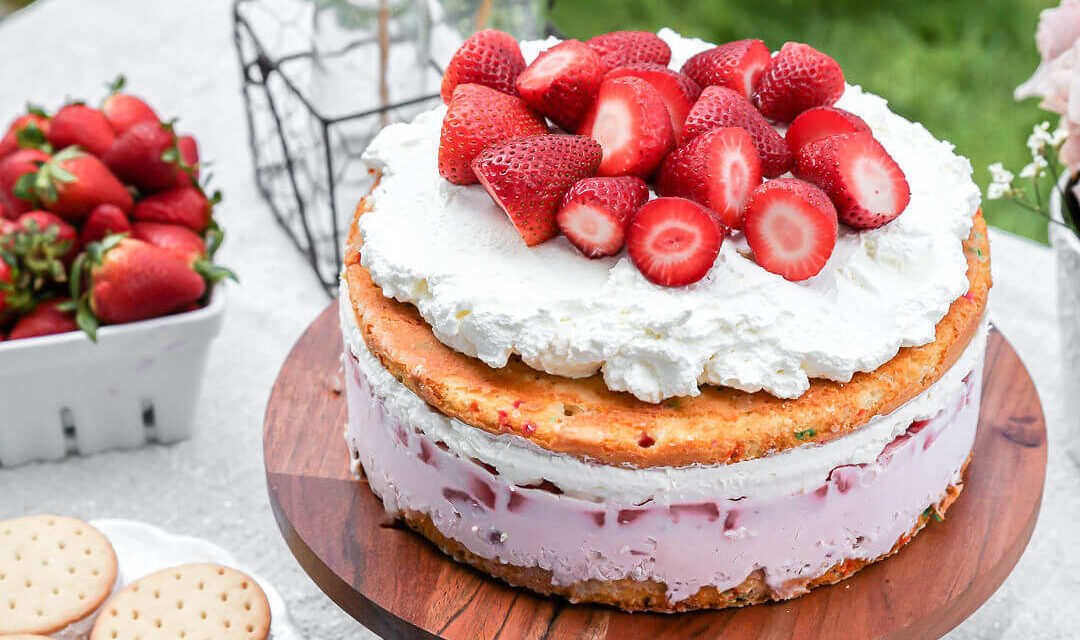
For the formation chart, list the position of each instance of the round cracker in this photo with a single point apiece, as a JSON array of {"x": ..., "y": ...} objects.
[
  {"x": 194, "y": 601},
  {"x": 54, "y": 571}
]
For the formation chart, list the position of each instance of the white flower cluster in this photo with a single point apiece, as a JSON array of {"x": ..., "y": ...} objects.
[{"x": 1002, "y": 182}]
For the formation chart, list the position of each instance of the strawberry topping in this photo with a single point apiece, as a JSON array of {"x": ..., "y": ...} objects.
[
  {"x": 490, "y": 57},
  {"x": 674, "y": 241},
  {"x": 798, "y": 78},
  {"x": 822, "y": 122},
  {"x": 736, "y": 65},
  {"x": 722, "y": 107},
  {"x": 632, "y": 125},
  {"x": 562, "y": 82},
  {"x": 596, "y": 212},
  {"x": 791, "y": 227},
  {"x": 676, "y": 90},
  {"x": 620, "y": 48}
]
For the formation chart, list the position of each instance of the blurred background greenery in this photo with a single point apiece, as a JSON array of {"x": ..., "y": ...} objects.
[{"x": 950, "y": 64}]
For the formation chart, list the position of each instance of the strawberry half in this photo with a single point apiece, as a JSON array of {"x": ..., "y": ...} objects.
[
  {"x": 104, "y": 220},
  {"x": 47, "y": 319},
  {"x": 490, "y": 57},
  {"x": 596, "y": 212},
  {"x": 718, "y": 169},
  {"x": 73, "y": 183},
  {"x": 27, "y": 131},
  {"x": 632, "y": 125},
  {"x": 562, "y": 82},
  {"x": 822, "y": 122},
  {"x": 621, "y": 48},
  {"x": 674, "y": 241},
  {"x": 798, "y": 78},
  {"x": 676, "y": 90},
  {"x": 476, "y": 118},
  {"x": 791, "y": 227},
  {"x": 867, "y": 186},
  {"x": 78, "y": 124},
  {"x": 528, "y": 178},
  {"x": 722, "y": 107},
  {"x": 736, "y": 65}
]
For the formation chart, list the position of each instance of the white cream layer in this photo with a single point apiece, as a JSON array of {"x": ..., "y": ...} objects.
[
  {"x": 782, "y": 474},
  {"x": 450, "y": 251}
]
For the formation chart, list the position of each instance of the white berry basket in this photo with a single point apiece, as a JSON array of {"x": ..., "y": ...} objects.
[{"x": 65, "y": 395}]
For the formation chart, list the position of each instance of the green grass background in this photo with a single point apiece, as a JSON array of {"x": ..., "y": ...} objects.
[{"x": 950, "y": 64}]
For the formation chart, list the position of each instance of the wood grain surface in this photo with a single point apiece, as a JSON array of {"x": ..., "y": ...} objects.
[{"x": 400, "y": 586}]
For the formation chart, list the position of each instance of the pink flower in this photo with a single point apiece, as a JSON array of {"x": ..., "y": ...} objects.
[{"x": 1059, "y": 29}]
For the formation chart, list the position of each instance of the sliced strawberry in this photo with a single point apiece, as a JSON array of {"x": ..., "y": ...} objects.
[
  {"x": 562, "y": 82},
  {"x": 105, "y": 219},
  {"x": 822, "y": 122},
  {"x": 674, "y": 241},
  {"x": 528, "y": 178},
  {"x": 27, "y": 131},
  {"x": 718, "y": 169},
  {"x": 676, "y": 90},
  {"x": 798, "y": 78},
  {"x": 866, "y": 185},
  {"x": 596, "y": 212},
  {"x": 632, "y": 125},
  {"x": 78, "y": 124},
  {"x": 476, "y": 118},
  {"x": 791, "y": 227},
  {"x": 620, "y": 48},
  {"x": 490, "y": 57},
  {"x": 736, "y": 65},
  {"x": 723, "y": 107},
  {"x": 49, "y": 318}
]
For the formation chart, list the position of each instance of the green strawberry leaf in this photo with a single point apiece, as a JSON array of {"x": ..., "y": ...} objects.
[
  {"x": 213, "y": 273},
  {"x": 86, "y": 320},
  {"x": 31, "y": 137},
  {"x": 25, "y": 187},
  {"x": 117, "y": 85}
]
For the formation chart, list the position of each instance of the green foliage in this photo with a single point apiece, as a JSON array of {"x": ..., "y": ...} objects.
[{"x": 950, "y": 64}]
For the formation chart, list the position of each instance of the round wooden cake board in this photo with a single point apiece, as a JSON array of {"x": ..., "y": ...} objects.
[{"x": 400, "y": 586}]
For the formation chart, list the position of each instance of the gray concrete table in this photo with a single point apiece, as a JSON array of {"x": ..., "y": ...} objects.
[{"x": 180, "y": 55}]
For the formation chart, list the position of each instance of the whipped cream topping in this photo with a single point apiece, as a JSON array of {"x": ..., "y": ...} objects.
[
  {"x": 522, "y": 463},
  {"x": 450, "y": 251}
]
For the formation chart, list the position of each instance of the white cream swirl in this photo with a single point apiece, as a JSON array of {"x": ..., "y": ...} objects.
[{"x": 449, "y": 251}]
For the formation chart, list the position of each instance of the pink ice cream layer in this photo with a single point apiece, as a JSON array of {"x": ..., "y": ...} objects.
[{"x": 857, "y": 512}]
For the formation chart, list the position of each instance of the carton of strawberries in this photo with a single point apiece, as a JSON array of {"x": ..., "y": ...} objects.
[{"x": 105, "y": 218}]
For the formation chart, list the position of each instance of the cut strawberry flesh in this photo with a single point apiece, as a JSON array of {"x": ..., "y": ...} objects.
[
  {"x": 734, "y": 171},
  {"x": 594, "y": 230},
  {"x": 791, "y": 227},
  {"x": 676, "y": 90},
  {"x": 674, "y": 241},
  {"x": 632, "y": 125},
  {"x": 547, "y": 69},
  {"x": 873, "y": 182},
  {"x": 822, "y": 122}
]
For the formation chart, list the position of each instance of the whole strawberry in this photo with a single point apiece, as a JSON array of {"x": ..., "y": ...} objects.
[
  {"x": 27, "y": 131},
  {"x": 189, "y": 160},
  {"x": 528, "y": 178},
  {"x": 104, "y": 220},
  {"x": 722, "y": 107},
  {"x": 53, "y": 225},
  {"x": 620, "y": 48},
  {"x": 180, "y": 240},
  {"x": 123, "y": 110},
  {"x": 736, "y": 65},
  {"x": 47, "y": 319},
  {"x": 12, "y": 169},
  {"x": 147, "y": 156},
  {"x": 73, "y": 183},
  {"x": 187, "y": 206},
  {"x": 82, "y": 126},
  {"x": 798, "y": 78},
  {"x": 596, "y": 212},
  {"x": 476, "y": 118},
  {"x": 491, "y": 58},
  {"x": 126, "y": 280},
  {"x": 562, "y": 82}
]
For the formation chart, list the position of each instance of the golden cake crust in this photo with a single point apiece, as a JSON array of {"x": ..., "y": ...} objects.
[
  {"x": 649, "y": 595},
  {"x": 582, "y": 417}
]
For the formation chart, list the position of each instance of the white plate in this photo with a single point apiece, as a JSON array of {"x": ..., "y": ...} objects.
[{"x": 142, "y": 549}]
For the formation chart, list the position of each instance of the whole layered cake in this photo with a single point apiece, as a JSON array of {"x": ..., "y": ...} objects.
[{"x": 664, "y": 325}]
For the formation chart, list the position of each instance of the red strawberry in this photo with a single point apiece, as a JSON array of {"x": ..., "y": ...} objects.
[
  {"x": 736, "y": 65},
  {"x": 124, "y": 110},
  {"x": 6, "y": 276},
  {"x": 12, "y": 169},
  {"x": 798, "y": 78},
  {"x": 5, "y": 215},
  {"x": 632, "y": 125},
  {"x": 132, "y": 280},
  {"x": 43, "y": 221},
  {"x": 528, "y": 178},
  {"x": 73, "y": 183},
  {"x": 490, "y": 57},
  {"x": 676, "y": 90},
  {"x": 49, "y": 318},
  {"x": 595, "y": 213},
  {"x": 477, "y": 118},
  {"x": 189, "y": 157},
  {"x": 674, "y": 241},
  {"x": 28, "y": 131},
  {"x": 718, "y": 169},
  {"x": 722, "y": 107},
  {"x": 791, "y": 227},
  {"x": 620, "y": 48},
  {"x": 180, "y": 240},
  {"x": 104, "y": 220},
  {"x": 78, "y": 124},
  {"x": 146, "y": 156},
  {"x": 822, "y": 122},
  {"x": 867, "y": 186},
  {"x": 186, "y": 206},
  {"x": 562, "y": 82}
]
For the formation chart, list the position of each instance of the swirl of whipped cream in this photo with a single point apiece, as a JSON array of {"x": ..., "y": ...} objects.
[{"x": 450, "y": 251}]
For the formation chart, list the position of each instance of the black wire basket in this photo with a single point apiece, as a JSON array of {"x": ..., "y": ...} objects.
[{"x": 314, "y": 102}]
